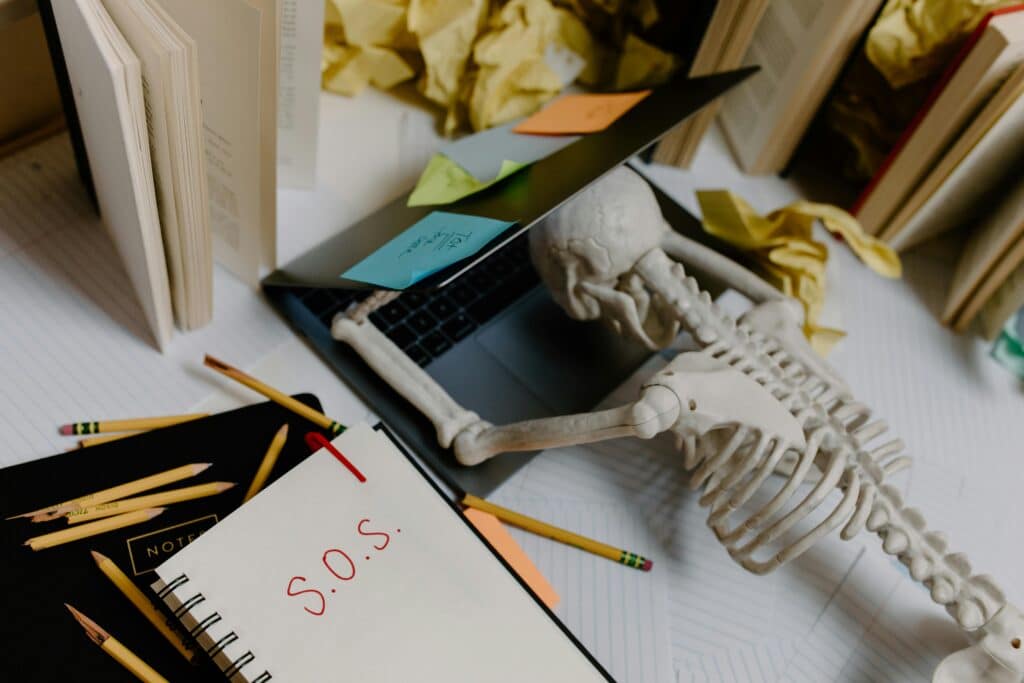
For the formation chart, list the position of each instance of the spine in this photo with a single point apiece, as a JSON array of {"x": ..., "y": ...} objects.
[{"x": 208, "y": 628}]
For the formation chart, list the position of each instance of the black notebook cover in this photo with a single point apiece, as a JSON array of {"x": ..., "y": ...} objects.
[{"x": 41, "y": 640}]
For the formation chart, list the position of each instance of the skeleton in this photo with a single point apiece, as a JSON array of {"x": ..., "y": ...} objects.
[{"x": 755, "y": 400}]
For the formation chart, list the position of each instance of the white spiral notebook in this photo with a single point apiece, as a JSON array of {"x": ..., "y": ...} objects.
[{"x": 323, "y": 577}]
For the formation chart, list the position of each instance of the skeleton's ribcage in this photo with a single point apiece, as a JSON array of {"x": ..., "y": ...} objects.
[{"x": 769, "y": 502}]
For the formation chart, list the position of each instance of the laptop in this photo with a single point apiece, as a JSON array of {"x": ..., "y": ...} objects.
[{"x": 484, "y": 328}]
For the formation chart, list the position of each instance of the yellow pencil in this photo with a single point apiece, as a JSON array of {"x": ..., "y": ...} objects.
[
  {"x": 109, "y": 644},
  {"x": 540, "y": 528},
  {"x": 115, "y": 492},
  {"x": 276, "y": 444},
  {"x": 77, "y": 533},
  {"x": 153, "y": 500},
  {"x": 133, "y": 424},
  {"x": 141, "y": 602},
  {"x": 107, "y": 438},
  {"x": 274, "y": 395}
]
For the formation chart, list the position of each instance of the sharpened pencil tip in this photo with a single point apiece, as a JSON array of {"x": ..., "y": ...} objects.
[
  {"x": 201, "y": 467},
  {"x": 97, "y": 556},
  {"x": 225, "y": 485},
  {"x": 153, "y": 512},
  {"x": 211, "y": 362},
  {"x": 66, "y": 430}
]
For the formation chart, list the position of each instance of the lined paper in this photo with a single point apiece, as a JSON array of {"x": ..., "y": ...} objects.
[
  {"x": 617, "y": 612},
  {"x": 73, "y": 339}
]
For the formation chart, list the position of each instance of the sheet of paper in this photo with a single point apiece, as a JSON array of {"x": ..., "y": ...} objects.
[
  {"x": 616, "y": 611},
  {"x": 580, "y": 114},
  {"x": 78, "y": 348},
  {"x": 499, "y": 537},
  {"x": 483, "y": 154},
  {"x": 298, "y": 103},
  {"x": 443, "y": 182},
  {"x": 227, "y": 34},
  {"x": 432, "y": 243},
  {"x": 106, "y": 79},
  {"x": 336, "y": 592}
]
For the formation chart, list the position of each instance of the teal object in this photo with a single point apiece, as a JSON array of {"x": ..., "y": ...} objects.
[
  {"x": 432, "y": 243},
  {"x": 1008, "y": 349}
]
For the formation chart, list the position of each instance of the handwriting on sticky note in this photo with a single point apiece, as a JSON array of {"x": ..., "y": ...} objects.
[
  {"x": 580, "y": 114},
  {"x": 336, "y": 568},
  {"x": 431, "y": 244}
]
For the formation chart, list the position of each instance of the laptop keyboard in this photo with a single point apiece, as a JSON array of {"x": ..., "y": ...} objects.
[{"x": 427, "y": 324}]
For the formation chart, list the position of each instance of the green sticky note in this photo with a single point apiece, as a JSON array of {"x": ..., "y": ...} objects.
[
  {"x": 432, "y": 243},
  {"x": 443, "y": 181}
]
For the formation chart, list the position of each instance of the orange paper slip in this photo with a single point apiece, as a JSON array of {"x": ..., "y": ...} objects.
[
  {"x": 498, "y": 536},
  {"x": 579, "y": 114}
]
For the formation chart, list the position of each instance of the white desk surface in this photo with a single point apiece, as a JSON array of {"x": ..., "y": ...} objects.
[{"x": 71, "y": 348}]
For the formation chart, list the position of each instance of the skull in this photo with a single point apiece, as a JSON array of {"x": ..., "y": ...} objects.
[{"x": 586, "y": 251}]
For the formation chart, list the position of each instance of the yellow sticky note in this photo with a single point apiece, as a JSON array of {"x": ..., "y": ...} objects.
[
  {"x": 499, "y": 537},
  {"x": 580, "y": 114},
  {"x": 443, "y": 182}
]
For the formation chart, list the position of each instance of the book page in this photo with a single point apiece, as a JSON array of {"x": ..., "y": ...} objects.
[
  {"x": 298, "y": 103},
  {"x": 106, "y": 81},
  {"x": 154, "y": 58},
  {"x": 786, "y": 45},
  {"x": 1006, "y": 301},
  {"x": 227, "y": 34},
  {"x": 990, "y": 241},
  {"x": 372, "y": 580},
  {"x": 270, "y": 22}
]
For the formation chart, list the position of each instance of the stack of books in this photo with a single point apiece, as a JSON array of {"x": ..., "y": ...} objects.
[
  {"x": 956, "y": 165},
  {"x": 171, "y": 108}
]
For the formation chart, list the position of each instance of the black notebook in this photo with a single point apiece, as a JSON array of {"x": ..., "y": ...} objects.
[{"x": 41, "y": 641}]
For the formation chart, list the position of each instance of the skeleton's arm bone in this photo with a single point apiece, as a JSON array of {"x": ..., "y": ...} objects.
[
  {"x": 476, "y": 440},
  {"x": 407, "y": 378},
  {"x": 655, "y": 412}
]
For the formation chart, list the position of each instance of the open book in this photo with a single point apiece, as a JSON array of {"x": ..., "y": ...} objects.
[
  {"x": 172, "y": 107},
  {"x": 354, "y": 566}
]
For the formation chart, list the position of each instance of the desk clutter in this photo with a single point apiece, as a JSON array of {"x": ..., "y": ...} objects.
[
  {"x": 275, "y": 542},
  {"x": 137, "y": 531}
]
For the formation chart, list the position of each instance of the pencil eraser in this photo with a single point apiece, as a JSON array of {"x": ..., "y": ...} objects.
[
  {"x": 67, "y": 430},
  {"x": 647, "y": 565}
]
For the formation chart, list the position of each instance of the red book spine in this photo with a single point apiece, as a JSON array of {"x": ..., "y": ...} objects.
[{"x": 943, "y": 81}]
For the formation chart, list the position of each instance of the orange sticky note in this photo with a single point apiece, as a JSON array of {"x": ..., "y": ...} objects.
[
  {"x": 498, "y": 536},
  {"x": 579, "y": 114}
]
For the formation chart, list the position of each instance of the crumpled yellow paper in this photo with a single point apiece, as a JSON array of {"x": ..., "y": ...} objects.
[
  {"x": 782, "y": 245},
  {"x": 348, "y": 70},
  {"x": 443, "y": 181},
  {"x": 361, "y": 42},
  {"x": 642, "y": 65},
  {"x": 486, "y": 63},
  {"x": 913, "y": 39},
  {"x": 446, "y": 31},
  {"x": 512, "y": 78}
]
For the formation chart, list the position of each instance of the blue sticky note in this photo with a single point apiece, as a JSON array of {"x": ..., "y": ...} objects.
[{"x": 432, "y": 243}]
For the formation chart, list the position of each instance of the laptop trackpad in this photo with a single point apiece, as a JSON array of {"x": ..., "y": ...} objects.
[{"x": 568, "y": 365}]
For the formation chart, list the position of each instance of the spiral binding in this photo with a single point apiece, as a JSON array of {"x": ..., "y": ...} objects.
[{"x": 199, "y": 628}]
